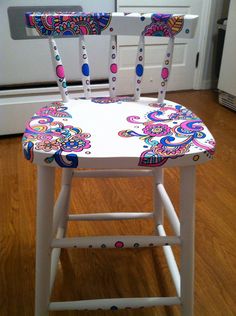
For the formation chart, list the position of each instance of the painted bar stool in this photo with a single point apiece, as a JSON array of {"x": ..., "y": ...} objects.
[{"x": 144, "y": 135}]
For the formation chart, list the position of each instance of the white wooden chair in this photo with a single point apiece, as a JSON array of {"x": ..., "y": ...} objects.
[{"x": 114, "y": 137}]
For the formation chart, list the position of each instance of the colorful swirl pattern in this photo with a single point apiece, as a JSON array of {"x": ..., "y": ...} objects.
[
  {"x": 77, "y": 24},
  {"x": 164, "y": 25},
  {"x": 44, "y": 133},
  {"x": 169, "y": 132}
]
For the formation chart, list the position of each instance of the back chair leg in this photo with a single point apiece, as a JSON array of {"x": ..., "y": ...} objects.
[
  {"x": 158, "y": 205},
  {"x": 60, "y": 219},
  {"x": 44, "y": 222},
  {"x": 67, "y": 175},
  {"x": 187, "y": 227}
]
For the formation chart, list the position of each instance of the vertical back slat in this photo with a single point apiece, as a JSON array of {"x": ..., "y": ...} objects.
[
  {"x": 85, "y": 69},
  {"x": 113, "y": 67},
  {"x": 58, "y": 69},
  {"x": 139, "y": 68},
  {"x": 165, "y": 71}
]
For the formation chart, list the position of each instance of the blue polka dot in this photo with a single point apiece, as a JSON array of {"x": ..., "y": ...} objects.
[
  {"x": 139, "y": 70},
  {"x": 142, "y": 18},
  {"x": 85, "y": 69}
]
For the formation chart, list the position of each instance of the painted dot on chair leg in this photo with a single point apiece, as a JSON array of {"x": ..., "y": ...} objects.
[
  {"x": 119, "y": 244},
  {"x": 113, "y": 308}
]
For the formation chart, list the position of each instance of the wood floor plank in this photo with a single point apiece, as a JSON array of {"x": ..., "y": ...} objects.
[{"x": 94, "y": 273}]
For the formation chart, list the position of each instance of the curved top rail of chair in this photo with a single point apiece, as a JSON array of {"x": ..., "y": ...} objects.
[{"x": 73, "y": 24}]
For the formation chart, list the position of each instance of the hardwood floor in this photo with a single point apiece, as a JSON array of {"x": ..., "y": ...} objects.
[{"x": 117, "y": 273}]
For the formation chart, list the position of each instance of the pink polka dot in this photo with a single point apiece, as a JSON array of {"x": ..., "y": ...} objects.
[
  {"x": 165, "y": 73},
  {"x": 60, "y": 71},
  {"x": 113, "y": 68},
  {"x": 119, "y": 244}
]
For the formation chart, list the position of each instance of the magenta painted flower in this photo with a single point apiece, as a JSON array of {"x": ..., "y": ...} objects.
[
  {"x": 156, "y": 30},
  {"x": 156, "y": 129},
  {"x": 47, "y": 145},
  {"x": 74, "y": 143}
]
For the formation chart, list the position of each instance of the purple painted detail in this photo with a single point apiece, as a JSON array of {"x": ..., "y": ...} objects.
[
  {"x": 164, "y": 25},
  {"x": 156, "y": 129},
  {"x": 169, "y": 132}
]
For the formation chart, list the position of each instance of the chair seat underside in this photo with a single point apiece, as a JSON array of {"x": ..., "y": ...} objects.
[{"x": 116, "y": 132}]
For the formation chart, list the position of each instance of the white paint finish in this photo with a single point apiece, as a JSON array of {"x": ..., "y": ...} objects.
[
  {"x": 44, "y": 220},
  {"x": 170, "y": 259},
  {"x": 227, "y": 80},
  {"x": 26, "y": 52},
  {"x": 187, "y": 233},
  {"x": 109, "y": 122},
  {"x": 182, "y": 76},
  {"x": 17, "y": 108}
]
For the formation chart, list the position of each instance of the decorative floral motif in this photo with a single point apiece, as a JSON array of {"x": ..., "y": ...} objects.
[
  {"x": 156, "y": 129},
  {"x": 164, "y": 141},
  {"x": 164, "y": 25},
  {"x": 44, "y": 134},
  {"x": 72, "y": 23},
  {"x": 47, "y": 145},
  {"x": 74, "y": 143}
]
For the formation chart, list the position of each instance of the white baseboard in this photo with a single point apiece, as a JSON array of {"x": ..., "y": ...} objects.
[{"x": 17, "y": 106}]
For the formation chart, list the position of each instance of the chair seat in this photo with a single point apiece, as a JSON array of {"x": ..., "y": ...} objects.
[{"x": 116, "y": 132}]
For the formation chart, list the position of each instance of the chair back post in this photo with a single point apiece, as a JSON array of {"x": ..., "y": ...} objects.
[
  {"x": 113, "y": 67},
  {"x": 85, "y": 69},
  {"x": 165, "y": 70},
  {"x": 58, "y": 69},
  {"x": 139, "y": 68},
  {"x": 79, "y": 24}
]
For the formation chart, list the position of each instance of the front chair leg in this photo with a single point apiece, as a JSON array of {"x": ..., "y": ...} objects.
[
  {"x": 45, "y": 203},
  {"x": 187, "y": 224}
]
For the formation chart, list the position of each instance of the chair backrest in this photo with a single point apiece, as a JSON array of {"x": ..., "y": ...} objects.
[{"x": 77, "y": 24}]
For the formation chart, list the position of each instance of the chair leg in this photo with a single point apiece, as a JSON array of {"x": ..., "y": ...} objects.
[
  {"x": 66, "y": 180},
  {"x": 62, "y": 227},
  {"x": 158, "y": 205},
  {"x": 187, "y": 221},
  {"x": 44, "y": 221}
]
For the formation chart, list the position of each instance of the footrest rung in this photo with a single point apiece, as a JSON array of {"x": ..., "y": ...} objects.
[
  {"x": 114, "y": 303},
  {"x": 113, "y": 173},
  {"x": 115, "y": 241},
  {"x": 109, "y": 216}
]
